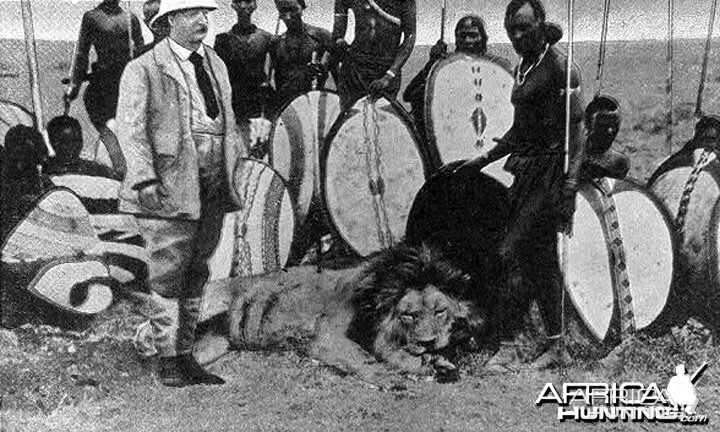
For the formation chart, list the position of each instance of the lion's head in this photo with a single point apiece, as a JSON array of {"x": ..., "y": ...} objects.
[{"x": 413, "y": 306}]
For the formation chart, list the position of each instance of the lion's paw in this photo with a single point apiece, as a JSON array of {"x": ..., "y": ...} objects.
[{"x": 249, "y": 304}]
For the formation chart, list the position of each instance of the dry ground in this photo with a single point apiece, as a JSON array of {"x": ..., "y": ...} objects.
[{"x": 92, "y": 380}]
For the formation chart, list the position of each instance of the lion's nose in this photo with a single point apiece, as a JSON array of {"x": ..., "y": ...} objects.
[{"x": 428, "y": 344}]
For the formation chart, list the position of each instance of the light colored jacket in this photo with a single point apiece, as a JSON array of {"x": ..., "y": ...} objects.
[{"x": 153, "y": 129}]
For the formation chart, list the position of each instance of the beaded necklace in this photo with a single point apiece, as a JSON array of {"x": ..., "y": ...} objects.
[{"x": 520, "y": 77}]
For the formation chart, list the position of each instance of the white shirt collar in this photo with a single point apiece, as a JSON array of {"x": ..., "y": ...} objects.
[{"x": 183, "y": 52}]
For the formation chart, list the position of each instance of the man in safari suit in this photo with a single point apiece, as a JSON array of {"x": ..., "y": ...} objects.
[{"x": 179, "y": 136}]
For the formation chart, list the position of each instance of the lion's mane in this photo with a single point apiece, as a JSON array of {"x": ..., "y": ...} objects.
[{"x": 393, "y": 273}]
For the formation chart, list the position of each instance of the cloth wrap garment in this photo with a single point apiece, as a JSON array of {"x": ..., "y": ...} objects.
[
  {"x": 361, "y": 69},
  {"x": 168, "y": 138},
  {"x": 536, "y": 142}
]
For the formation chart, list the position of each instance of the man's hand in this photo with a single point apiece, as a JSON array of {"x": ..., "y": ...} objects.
[
  {"x": 151, "y": 196},
  {"x": 378, "y": 86},
  {"x": 438, "y": 51},
  {"x": 479, "y": 162},
  {"x": 71, "y": 94},
  {"x": 318, "y": 70},
  {"x": 566, "y": 208},
  {"x": 341, "y": 49},
  {"x": 259, "y": 133}
]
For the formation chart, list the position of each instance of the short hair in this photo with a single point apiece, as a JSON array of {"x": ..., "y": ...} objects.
[
  {"x": 65, "y": 134},
  {"x": 24, "y": 145},
  {"x": 300, "y": 2},
  {"x": 552, "y": 32},
  {"x": 515, "y": 5}
]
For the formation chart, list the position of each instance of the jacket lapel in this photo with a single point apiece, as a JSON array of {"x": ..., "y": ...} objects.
[{"x": 168, "y": 63}]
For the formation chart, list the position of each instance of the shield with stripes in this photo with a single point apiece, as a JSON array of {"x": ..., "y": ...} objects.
[
  {"x": 620, "y": 260},
  {"x": 55, "y": 254}
]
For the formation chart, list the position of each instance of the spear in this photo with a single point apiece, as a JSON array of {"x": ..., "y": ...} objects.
[
  {"x": 703, "y": 71},
  {"x": 562, "y": 244},
  {"x": 443, "y": 9},
  {"x": 31, "y": 51}
]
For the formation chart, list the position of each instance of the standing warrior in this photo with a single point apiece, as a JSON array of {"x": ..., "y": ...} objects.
[
  {"x": 384, "y": 40},
  {"x": 177, "y": 128},
  {"x": 300, "y": 55},
  {"x": 244, "y": 50},
  {"x": 470, "y": 38},
  {"x": 106, "y": 29},
  {"x": 542, "y": 197}
]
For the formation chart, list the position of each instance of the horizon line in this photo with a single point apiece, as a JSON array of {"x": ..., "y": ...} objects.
[{"x": 563, "y": 40}]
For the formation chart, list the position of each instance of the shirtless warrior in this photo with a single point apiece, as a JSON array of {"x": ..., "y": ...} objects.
[
  {"x": 300, "y": 56},
  {"x": 384, "y": 39},
  {"x": 244, "y": 50}
]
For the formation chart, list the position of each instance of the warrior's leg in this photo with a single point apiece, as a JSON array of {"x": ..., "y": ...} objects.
[{"x": 110, "y": 141}]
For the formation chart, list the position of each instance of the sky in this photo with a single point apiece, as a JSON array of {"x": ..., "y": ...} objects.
[{"x": 629, "y": 19}]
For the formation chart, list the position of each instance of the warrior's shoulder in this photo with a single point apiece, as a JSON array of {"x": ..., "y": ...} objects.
[
  {"x": 94, "y": 15},
  {"x": 318, "y": 32},
  {"x": 558, "y": 61},
  {"x": 262, "y": 33}
]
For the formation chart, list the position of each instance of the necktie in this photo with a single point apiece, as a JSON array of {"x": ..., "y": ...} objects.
[{"x": 203, "y": 80}]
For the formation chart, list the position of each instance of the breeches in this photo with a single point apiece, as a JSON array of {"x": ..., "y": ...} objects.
[
  {"x": 178, "y": 270},
  {"x": 179, "y": 250}
]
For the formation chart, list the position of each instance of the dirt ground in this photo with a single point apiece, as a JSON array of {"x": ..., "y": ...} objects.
[{"x": 92, "y": 380}]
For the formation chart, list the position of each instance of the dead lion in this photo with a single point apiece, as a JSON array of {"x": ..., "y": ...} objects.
[{"x": 409, "y": 307}]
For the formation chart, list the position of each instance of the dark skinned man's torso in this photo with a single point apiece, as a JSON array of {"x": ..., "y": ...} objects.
[
  {"x": 373, "y": 33},
  {"x": 290, "y": 55},
  {"x": 244, "y": 50}
]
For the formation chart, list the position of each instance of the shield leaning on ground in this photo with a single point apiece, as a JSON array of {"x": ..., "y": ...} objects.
[
  {"x": 123, "y": 246},
  {"x": 371, "y": 169},
  {"x": 255, "y": 239},
  {"x": 621, "y": 261},
  {"x": 54, "y": 250},
  {"x": 296, "y": 141},
  {"x": 693, "y": 179},
  {"x": 467, "y": 104},
  {"x": 12, "y": 114}
]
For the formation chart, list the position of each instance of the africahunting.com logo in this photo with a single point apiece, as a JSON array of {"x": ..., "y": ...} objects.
[{"x": 628, "y": 401}]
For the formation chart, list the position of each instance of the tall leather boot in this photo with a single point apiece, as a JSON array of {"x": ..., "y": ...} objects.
[
  {"x": 189, "y": 309},
  {"x": 164, "y": 315}
]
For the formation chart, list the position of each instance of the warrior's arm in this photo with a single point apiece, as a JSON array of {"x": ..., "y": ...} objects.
[
  {"x": 341, "y": 20},
  {"x": 84, "y": 43},
  {"x": 578, "y": 149},
  {"x": 415, "y": 90},
  {"x": 136, "y": 34},
  {"x": 408, "y": 23}
]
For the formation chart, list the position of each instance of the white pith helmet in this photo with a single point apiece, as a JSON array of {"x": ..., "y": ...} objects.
[{"x": 167, "y": 6}]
